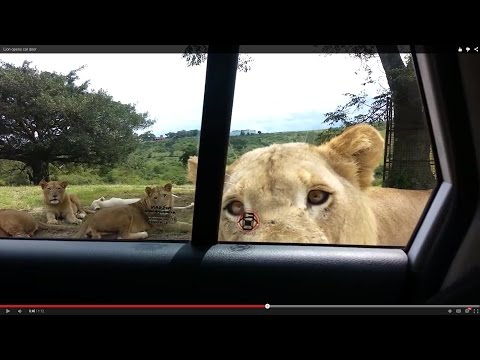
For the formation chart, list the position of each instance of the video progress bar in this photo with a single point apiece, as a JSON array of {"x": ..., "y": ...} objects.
[{"x": 235, "y": 309}]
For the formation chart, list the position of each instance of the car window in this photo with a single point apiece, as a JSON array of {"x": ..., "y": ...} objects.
[
  {"x": 95, "y": 145},
  {"x": 328, "y": 146}
]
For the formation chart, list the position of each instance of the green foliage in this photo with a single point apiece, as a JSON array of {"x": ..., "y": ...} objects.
[
  {"x": 378, "y": 176},
  {"x": 328, "y": 134},
  {"x": 190, "y": 150},
  {"x": 182, "y": 134},
  {"x": 13, "y": 173},
  {"x": 197, "y": 54},
  {"x": 147, "y": 136},
  {"x": 238, "y": 143},
  {"x": 47, "y": 118},
  {"x": 372, "y": 111},
  {"x": 151, "y": 163}
]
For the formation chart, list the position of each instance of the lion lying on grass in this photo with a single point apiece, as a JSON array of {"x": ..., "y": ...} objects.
[
  {"x": 101, "y": 203},
  {"x": 316, "y": 194},
  {"x": 14, "y": 223},
  {"x": 59, "y": 204},
  {"x": 132, "y": 221}
]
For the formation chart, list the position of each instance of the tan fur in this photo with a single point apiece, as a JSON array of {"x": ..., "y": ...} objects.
[
  {"x": 14, "y": 223},
  {"x": 59, "y": 204},
  {"x": 275, "y": 181},
  {"x": 130, "y": 221}
]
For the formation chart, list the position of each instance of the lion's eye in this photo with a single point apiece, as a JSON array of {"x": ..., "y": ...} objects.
[
  {"x": 235, "y": 208},
  {"x": 155, "y": 198},
  {"x": 317, "y": 197},
  {"x": 164, "y": 195}
]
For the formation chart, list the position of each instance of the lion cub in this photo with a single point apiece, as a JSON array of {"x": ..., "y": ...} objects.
[
  {"x": 132, "y": 221},
  {"x": 59, "y": 204}
]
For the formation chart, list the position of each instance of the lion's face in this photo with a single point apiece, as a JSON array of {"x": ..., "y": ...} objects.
[
  {"x": 293, "y": 192},
  {"x": 303, "y": 193},
  {"x": 96, "y": 203},
  {"x": 159, "y": 197},
  {"x": 53, "y": 191}
]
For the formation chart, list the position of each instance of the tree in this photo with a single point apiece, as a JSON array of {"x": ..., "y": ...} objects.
[
  {"x": 147, "y": 136},
  {"x": 190, "y": 150},
  {"x": 259, "y": 132},
  {"x": 45, "y": 118},
  {"x": 411, "y": 147}
]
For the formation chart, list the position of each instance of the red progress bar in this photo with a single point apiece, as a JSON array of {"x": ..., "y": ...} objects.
[{"x": 116, "y": 306}]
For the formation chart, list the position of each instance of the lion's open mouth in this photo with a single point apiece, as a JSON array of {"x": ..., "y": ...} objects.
[{"x": 54, "y": 201}]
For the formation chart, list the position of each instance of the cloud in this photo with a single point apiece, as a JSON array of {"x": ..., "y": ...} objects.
[{"x": 281, "y": 92}]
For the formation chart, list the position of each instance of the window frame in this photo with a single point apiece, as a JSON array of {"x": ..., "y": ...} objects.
[
  {"x": 446, "y": 222},
  {"x": 222, "y": 63}
]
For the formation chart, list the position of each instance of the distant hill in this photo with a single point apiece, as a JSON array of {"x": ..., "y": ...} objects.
[{"x": 156, "y": 162}]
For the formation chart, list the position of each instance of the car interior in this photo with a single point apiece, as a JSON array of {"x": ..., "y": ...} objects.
[{"x": 439, "y": 266}]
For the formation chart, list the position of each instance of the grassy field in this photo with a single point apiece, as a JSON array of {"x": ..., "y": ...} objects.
[{"x": 29, "y": 198}]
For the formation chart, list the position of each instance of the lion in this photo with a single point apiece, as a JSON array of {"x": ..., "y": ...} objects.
[
  {"x": 132, "y": 221},
  {"x": 298, "y": 192},
  {"x": 15, "y": 223},
  {"x": 59, "y": 204},
  {"x": 101, "y": 202}
]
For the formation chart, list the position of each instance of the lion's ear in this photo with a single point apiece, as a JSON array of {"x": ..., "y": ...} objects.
[
  {"x": 360, "y": 148},
  {"x": 192, "y": 169},
  {"x": 168, "y": 187},
  {"x": 148, "y": 190},
  {"x": 193, "y": 165},
  {"x": 64, "y": 184},
  {"x": 102, "y": 198},
  {"x": 42, "y": 183}
]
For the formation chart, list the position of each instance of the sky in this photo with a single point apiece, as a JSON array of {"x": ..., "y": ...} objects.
[{"x": 281, "y": 92}]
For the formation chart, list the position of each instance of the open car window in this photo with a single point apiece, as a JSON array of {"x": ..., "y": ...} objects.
[
  {"x": 326, "y": 147},
  {"x": 98, "y": 138}
]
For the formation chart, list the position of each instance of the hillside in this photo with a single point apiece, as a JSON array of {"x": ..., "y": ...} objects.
[{"x": 157, "y": 162}]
